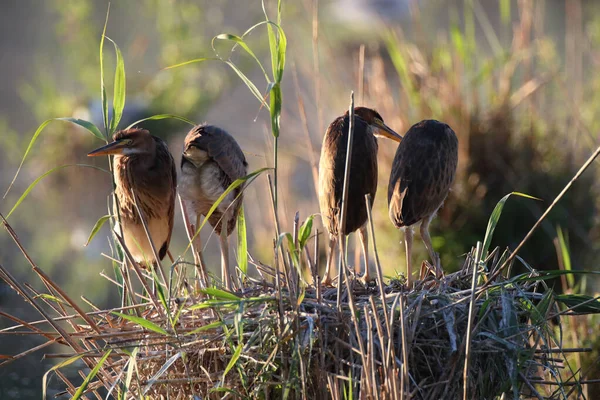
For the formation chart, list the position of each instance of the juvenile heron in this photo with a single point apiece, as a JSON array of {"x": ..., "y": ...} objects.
[
  {"x": 211, "y": 161},
  {"x": 368, "y": 125},
  {"x": 143, "y": 164},
  {"x": 422, "y": 172}
]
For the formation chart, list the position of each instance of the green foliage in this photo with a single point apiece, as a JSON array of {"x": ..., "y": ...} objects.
[
  {"x": 494, "y": 219},
  {"x": 143, "y": 323},
  {"x": 90, "y": 376}
]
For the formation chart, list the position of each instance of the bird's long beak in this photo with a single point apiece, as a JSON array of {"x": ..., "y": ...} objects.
[
  {"x": 383, "y": 130},
  {"x": 115, "y": 147}
]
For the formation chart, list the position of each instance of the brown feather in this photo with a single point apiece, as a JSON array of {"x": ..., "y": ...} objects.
[
  {"x": 422, "y": 172},
  {"x": 152, "y": 176},
  {"x": 363, "y": 173},
  {"x": 212, "y": 160}
]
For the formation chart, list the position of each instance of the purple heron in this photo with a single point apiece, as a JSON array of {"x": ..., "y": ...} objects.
[
  {"x": 368, "y": 125},
  {"x": 211, "y": 161},
  {"x": 422, "y": 172},
  {"x": 144, "y": 165}
]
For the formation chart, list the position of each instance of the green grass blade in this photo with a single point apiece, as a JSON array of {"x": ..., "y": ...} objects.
[
  {"x": 305, "y": 230},
  {"x": 242, "y": 239},
  {"x": 275, "y": 109},
  {"x": 281, "y": 51},
  {"x": 119, "y": 90},
  {"x": 163, "y": 116},
  {"x": 580, "y": 303},
  {"x": 248, "y": 83},
  {"x": 90, "y": 376},
  {"x": 234, "y": 358},
  {"x": 505, "y": 11},
  {"x": 291, "y": 246},
  {"x": 272, "y": 41},
  {"x": 220, "y": 294},
  {"x": 494, "y": 218},
  {"x": 544, "y": 276},
  {"x": 212, "y": 325},
  {"x": 102, "y": 87},
  {"x": 61, "y": 364},
  {"x": 93, "y": 129},
  {"x": 144, "y": 323},
  {"x": 563, "y": 241},
  {"x": 96, "y": 228},
  {"x": 195, "y": 60},
  {"x": 85, "y": 124},
  {"x": 132, "y": 365},
  {"x": 240, "y": 41},
  {"x": 161, "y": 371},
  {"x": 34, "y": 183}
]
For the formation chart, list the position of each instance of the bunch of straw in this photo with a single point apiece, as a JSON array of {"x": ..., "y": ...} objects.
[{"x": 279, "y": 337}]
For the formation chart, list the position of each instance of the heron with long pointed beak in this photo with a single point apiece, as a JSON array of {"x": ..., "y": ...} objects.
[
  {"x": 144, "y": 167},
  {"x": 368, "y": 126},
  {"x": 211, "y": 161},
  {"x": 422, "y": 172}
]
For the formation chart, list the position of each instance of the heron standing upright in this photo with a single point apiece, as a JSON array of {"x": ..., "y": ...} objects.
[
  {"x": 422, "y": 172},
  {"x": 143, "y": 165},
  {"x": 368, "y": 125},
  {"x": 211, "y": 161}
]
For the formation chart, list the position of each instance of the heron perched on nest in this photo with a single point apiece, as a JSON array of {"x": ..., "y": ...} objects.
[
  {"x": 422, "y": 171},
  {"x": 368, "y": 125},
  {"x": 143, "y": 165},
  {"x": 212, "y": 160}
]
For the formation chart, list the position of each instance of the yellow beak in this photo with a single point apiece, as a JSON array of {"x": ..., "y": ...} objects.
[
  {"x": 115, "y": 147},
  {"x": 382, "y": 129}
]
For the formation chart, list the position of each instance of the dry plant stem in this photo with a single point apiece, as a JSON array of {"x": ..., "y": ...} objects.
[
  {"x": 225, "y": 273},
  {"x": 361, "y": 74},
  {"x": 470, "y": 322},
  {"x": 311, "y": 149},
  {"x": 379, "y": 270},
  {"x": 316, "y": 63},
  {"x": 405, "y": 370},
  {"x": 149, "y": 237},
  {"x": 276, "y": 219},
  {"x": 344, "y": 205},
  {"x": 21, "y": 290},
  {"x": 47, "y": 281},
  {"x": 539, "y": 221},
  {"x": 197, "y": 252},
  {"x": 317, "y": 258},
  {"x": 139, "y": 274},
  {"x": 27, "y": 352}
]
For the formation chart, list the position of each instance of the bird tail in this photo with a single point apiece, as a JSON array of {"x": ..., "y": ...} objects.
[{"x": 396, "y": 202}]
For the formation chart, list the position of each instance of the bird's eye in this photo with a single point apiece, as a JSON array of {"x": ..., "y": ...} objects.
[{"x": 129, "y": 142}]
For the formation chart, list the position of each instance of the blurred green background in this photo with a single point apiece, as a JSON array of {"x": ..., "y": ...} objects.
[{"x": 515, "y": 79}]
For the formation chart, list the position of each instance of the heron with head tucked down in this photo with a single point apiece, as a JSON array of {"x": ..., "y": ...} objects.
[
  {"x": 212, "y": 160},
  {"x": 422, "y": 172}
]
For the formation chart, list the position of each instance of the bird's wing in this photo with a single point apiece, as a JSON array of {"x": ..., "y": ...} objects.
[
  {"x": 223, "y": 149},
  {"x": 170, "y": 178}
]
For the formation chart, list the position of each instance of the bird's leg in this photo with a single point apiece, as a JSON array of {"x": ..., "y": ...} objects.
[
  {"x": 187, "y": 212},
  {"x": 332, "y": 245},
  {"x": 364, "y": 241},
  {"x": 435, "y": 258},
  {"x": 225, "y": 253},
  {"x": 408, "y": 240},
  {"x": 199, "y": 254}
]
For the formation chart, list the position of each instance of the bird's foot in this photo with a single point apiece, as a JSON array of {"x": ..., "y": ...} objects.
[
  {"x": 327, "y": 281},
  {"x": 366, "y": 279}
]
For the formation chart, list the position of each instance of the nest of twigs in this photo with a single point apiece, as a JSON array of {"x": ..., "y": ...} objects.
[{"x": 269, "y": 340}]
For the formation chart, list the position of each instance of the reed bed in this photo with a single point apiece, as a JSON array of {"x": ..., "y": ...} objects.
[{"x": 279, "y": 337}]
